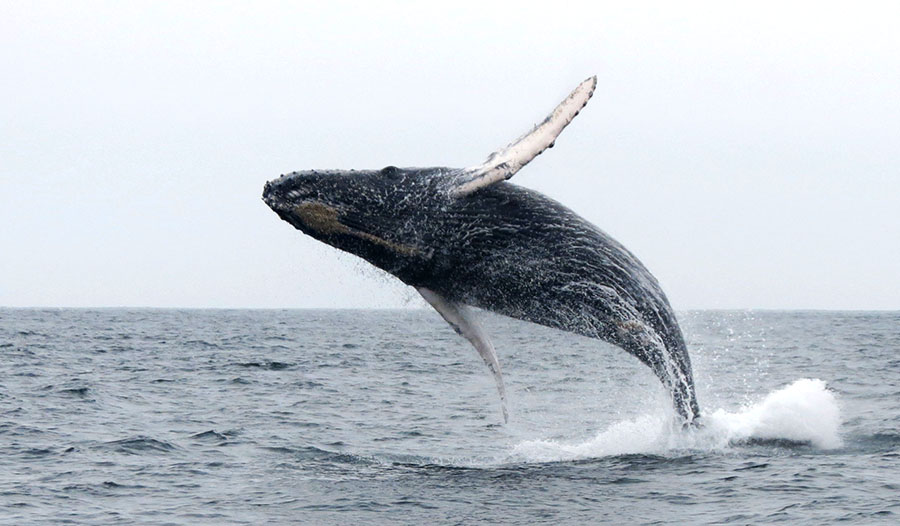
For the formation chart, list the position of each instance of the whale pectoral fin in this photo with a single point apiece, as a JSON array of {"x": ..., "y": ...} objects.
[
  {"x": 504, "y": 163},
  {"x": 462, "y": 321}
]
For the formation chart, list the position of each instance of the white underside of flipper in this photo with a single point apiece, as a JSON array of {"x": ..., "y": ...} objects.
[
  {"x": 504, "y": 163},
  {"x": 460, "y": 318}
]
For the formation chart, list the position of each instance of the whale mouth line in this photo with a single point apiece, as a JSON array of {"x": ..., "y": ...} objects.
[{"x": 326, "y": 220}]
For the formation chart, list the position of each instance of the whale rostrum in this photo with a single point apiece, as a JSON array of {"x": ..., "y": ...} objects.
[{"x": 464, "y": 237}]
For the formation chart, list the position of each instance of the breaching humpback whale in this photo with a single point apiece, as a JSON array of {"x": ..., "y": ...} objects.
[{"x": 466, "y": 238}]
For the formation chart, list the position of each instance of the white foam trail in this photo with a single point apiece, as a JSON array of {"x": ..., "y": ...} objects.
[
  {"x": 804, "y": 411},
  {"x": 631, "y": 436}
]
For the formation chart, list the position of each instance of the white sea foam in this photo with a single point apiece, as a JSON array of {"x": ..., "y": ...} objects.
[{"x": 804, "y": 411}]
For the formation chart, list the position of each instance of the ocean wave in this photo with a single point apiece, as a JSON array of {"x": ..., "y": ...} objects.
[{"x": 139, "y": 445}]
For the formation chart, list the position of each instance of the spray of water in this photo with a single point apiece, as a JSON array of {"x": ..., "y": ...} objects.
[{"x": 804, "y": 412}]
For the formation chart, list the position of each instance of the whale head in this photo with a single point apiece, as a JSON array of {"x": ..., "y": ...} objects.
[
  {"x": 373, "y": 214},
  {"x": 378, "y": 214}
]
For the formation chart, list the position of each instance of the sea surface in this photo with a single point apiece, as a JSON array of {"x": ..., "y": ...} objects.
[{"x": 187, "y": 417}]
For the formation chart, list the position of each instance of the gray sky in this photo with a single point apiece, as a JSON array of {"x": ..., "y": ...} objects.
[{"x": 747, "y": 155}]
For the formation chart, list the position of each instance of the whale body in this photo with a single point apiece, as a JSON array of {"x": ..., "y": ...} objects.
[{"x": 466, "y": 238}]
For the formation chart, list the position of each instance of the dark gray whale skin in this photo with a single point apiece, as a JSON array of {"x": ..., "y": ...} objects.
[{"x": 502, "y": 248}]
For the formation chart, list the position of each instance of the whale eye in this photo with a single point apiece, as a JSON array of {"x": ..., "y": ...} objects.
[{"x": 390, "y": 171}]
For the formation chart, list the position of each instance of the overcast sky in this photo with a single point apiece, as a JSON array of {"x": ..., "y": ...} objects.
[{"x": 749, "y": 156}]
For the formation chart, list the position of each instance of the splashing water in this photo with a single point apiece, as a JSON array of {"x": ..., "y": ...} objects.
[{"x": 804, "y": 412}]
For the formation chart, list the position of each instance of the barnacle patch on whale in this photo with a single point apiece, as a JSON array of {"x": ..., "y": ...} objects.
[{"x": 321, "y": 218}]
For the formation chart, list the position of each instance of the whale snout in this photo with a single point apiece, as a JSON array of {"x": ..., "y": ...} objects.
[
  {"x": 273, "y": 195},
  {"x": 285, "y": 192}
]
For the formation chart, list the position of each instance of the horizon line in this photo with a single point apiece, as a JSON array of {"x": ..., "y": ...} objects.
[{"x": 423, "y": 307}]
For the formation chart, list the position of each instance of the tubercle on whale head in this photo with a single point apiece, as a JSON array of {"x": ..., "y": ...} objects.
[{"x": 374, "y": 214}]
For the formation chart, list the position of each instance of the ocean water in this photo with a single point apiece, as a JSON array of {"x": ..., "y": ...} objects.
[{"x": 388, "y": 417}]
